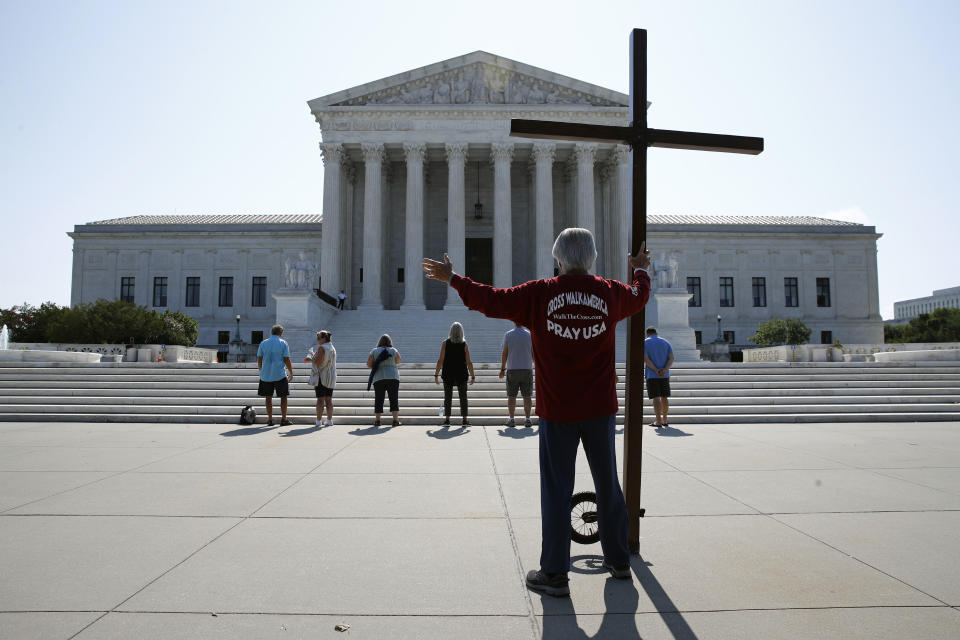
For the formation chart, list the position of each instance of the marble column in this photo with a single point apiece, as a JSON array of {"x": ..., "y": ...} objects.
[
  {"x": 501, "y": 155},
  {"x": 585, "y": 153},
  {"x": 621, "y": 218},
  {"x": 456, "y": 208},
  {"x": 330, "y": 240},
  {"x": 543, "y": 154},
  {"x": 413, "y": 248},
  {"x": 373, "y": 155}
]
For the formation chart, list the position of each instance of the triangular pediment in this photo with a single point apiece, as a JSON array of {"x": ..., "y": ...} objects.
[{"x": 478, "y": 78}]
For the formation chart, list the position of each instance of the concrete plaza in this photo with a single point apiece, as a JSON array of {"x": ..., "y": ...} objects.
[{"x": 209, "y": 531}]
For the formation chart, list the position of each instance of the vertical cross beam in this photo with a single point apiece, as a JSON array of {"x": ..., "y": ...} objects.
[{"x": 633, "y": 411}]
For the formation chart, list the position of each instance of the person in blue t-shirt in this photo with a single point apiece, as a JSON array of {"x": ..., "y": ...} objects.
[
  {"x": 658, "y": 356},
  {"x": 273, "y": 356}
]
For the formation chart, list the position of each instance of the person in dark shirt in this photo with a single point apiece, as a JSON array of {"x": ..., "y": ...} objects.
[
  {"x": 452, "y": 367},
  {"x": 572, "y": 318}
]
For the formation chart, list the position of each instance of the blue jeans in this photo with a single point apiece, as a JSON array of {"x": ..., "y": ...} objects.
[{"x": 558, "y": 458}]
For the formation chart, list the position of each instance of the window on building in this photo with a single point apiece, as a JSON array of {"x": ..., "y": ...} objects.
[
  {"x": 399, "y": 274},
  {"x": 826, "y": 337},
  {"x": 256, "y": 337},
  {"x": 791, "y": 293},
  {"x": 698, "y": 335},
  {"x": 226, "y": 291},
  {"x": 759, "y": 292},
  {"x": 730, "y": 337},
  {"x": 192, "y": 298},
  {"x": 160, "y": 291},
  {"x": 259, "y": 288},
  {"x": 726, "y": 291},
  {"x": 823, "y": 292},
  {"x": 223, "y": 337},
  {"x": 126, "y": 288},
  {"x": 693, "y": 286}
]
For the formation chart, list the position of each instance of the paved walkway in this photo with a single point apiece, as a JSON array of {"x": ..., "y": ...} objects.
[{"x": 196, "y": 531}]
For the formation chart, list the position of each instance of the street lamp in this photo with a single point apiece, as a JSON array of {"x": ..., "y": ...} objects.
[
  {"x": 478, "y": 206},
  {"x": 719, "y": 333},
  {"x": 236, "y": 345}
]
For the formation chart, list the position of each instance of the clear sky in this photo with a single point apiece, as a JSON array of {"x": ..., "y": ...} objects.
[{"x": 115, "y": 108}]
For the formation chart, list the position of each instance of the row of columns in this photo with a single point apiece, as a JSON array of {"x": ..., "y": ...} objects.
[{"x": 501, "y": 155}]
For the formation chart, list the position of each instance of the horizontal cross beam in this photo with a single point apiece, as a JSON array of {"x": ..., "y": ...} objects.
[
  {"x": 667, "y": 139},
  {"x": 552, "y": 130},
  {"x": 664, "y": 138}
]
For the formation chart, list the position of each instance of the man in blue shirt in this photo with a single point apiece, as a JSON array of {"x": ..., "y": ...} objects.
[
  {"x": 658, "y": 356},
  {"x": 273, "y": 355},
  {"x": 516, "y": 363}
]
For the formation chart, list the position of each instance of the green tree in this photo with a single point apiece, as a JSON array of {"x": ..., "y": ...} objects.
[
  {"x": 27, "y": 323},
  {"x": 942, "y": 325},
  {"x": 118, "y": 322},
  {"x": 781, "y": 331}
]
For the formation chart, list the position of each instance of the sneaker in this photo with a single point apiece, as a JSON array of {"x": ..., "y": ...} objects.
[
  {"x": 665, "y": 425},
  {"x": 321, "y": 423},
  {"x": 620, "y": 573},
  {"x": 446, "y": 422},
  {"x": 376, "y": 423},
  {"x": 511, "y": 423},
  {"x": 396, "y": 423},
  {"x": 269, "y": 423},
  {"x": 329, "y": 423},
  {"x": 527, "y": 423},
  {"x": 286, "y": 423},
  {"x": 552, "y": 584},
  {"x": 654, "y": 425},
  {"x": 465, "y": 423}
]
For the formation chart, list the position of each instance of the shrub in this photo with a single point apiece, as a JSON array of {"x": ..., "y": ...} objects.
[{"x": 781, "y": 331}]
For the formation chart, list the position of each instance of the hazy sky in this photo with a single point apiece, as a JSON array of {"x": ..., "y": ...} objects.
[{"x": 111, "y": 109}]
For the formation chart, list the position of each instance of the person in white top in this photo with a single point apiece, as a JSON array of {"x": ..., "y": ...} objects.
[{"x": 323, "y": 375}]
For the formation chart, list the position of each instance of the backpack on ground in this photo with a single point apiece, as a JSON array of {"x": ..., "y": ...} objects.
[{"x": 248, "y": 415}]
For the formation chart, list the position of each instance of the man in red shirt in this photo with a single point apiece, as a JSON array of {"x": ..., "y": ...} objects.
[{"x": 572, "y": 318}]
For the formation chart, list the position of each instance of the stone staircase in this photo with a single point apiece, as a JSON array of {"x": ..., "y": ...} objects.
[{"x": 702, "y": 392}]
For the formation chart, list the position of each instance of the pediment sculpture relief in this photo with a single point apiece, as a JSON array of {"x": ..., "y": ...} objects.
[{"x": 478, "y": 84}]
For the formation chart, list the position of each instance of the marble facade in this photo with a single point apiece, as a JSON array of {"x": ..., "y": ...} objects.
[{"x": 406, "y": 159}]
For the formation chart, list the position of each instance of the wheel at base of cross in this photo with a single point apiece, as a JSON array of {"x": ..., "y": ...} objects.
[{"x": 583, "y": 518}]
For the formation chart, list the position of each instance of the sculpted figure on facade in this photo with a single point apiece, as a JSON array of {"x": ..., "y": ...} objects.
[
  {"x": 299, "y": 273},
  {"x": 461, "y": 89}
]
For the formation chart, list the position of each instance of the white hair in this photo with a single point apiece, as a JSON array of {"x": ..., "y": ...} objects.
[
  {"x": 456, "y": 333},
  {"x": 575, "y": 249}
]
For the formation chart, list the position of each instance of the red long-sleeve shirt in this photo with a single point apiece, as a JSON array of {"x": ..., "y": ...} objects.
[{"x": 572, "y": 320}]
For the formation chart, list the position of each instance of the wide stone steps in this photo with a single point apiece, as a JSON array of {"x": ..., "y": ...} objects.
[{"x": 702, "y": 393}]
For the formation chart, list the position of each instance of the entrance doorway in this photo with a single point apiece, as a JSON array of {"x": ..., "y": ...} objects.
[{"x": 479, "y": 258}]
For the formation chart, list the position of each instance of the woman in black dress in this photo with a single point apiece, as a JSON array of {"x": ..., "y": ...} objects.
[{"x": 452, "y": 368}]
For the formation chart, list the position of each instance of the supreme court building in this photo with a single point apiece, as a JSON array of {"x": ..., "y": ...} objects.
[{"x": 421, "y": 163}]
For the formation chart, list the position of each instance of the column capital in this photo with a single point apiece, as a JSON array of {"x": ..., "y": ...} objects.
[
  {"x": 415, "y": 152},
  {"x": 544, "y": 151},
  {"x": 372, "y": 152},
  {"x": 501, "y": 151},
  {"x": 332, "y": 152},
  {"x": 456, "y": 151},
  {"x": 621, "y": 154},
  {"x": 607, "y": 171},
  {"x": 585, "y": 152}
]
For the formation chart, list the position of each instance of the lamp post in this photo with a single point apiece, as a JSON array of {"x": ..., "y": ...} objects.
[
  {"x": 237, "y": 343},
  {"x": 478, "y": 206},
  {"x": 719, "y": 333}
]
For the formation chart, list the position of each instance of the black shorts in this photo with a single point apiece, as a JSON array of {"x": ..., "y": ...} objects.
[
  {"x": 323, "y": 392},
  {"x": 658, "y": 388},
  {"x": 280, "y": 388},
  {"x": 519, "y": 380}
]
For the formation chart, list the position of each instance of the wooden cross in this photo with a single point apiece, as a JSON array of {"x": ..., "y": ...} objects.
[{"x": 638, "y": 136}]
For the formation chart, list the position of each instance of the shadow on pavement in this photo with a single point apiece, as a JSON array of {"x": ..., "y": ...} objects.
[
  {"x": 299, "y": 432},
  {"x": 248, "y": 431},
  {"x": 445, "y": 433},
  {"x": 371, "y": 430},
  {"x": 620, "y": 599},
  {"x": 665, "y": 607},
  {"x": 515, "y": 433},
  {"x": 671, "y": 432}
]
